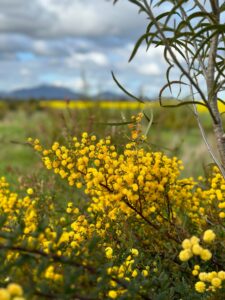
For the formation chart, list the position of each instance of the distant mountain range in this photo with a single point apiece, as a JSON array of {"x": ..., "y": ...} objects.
[{"x": 54, "y": 92}]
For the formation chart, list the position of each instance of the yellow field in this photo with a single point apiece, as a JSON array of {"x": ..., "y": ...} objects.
[
  {"x": 79, "y": 104},
  {"x": 120, "y": 105}
]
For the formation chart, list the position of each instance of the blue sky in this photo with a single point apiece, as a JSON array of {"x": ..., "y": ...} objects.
[{"x": 62, "y": 42}]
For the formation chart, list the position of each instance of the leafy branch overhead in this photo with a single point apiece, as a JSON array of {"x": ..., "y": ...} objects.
[{"x": 192, "y": 34}]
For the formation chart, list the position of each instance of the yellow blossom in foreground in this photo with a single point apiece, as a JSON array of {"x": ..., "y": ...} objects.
[
  {"x": 186, "y": 244},
  {"x": 134, "y": 273},
  {"x": 144, "y": 273},
  {"x": 195, "y": 272},
  {"x": 216, "y": 282},
  {"x": 200, "y": 287},
  {"x": 112, "y": 294},
  {"x": 185, "y": 255},
  {"x": 205, "y": 254},
  {"x": 30, "y": 191},
  {"x": 4, "y": 294},
  {"x": 15, "y": 289},
  {"x": 221, "y": 275},
  {"x": 203, "y": 276},
  {"x": 134, "y": 252},
  {"x": 222, "y": 215},
  {"x": 194, "y": 240},
  {"x": 197, "y": 249},
  {"x": 209, "y": 236},
  {"x": 109, "y": 252}
]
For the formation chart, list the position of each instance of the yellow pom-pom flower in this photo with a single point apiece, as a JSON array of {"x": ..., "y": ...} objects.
[
  {"x": 134, "y": 251},
  {"x": 144, "y": 273},
  {"x": 200, "y": 287},
  {"x": 194, "y": 240},
  {"x": 15, "y": 289},
  {"x": 205, "y": 254},
  {"x": 30, "y": 191},
  {"x": 209, "y": 236},
  {"x": 109, "y": 252},
  {"x": 197, "y": 249},
  {"x": 216, "y": 282},
  {"x": 4, "y": 294},
  {"x": 112, "y": 294},
  {"x": 186, "y": 244},
  {"x": 221, "y": 275},
  {"x": 185, "y": 255}
]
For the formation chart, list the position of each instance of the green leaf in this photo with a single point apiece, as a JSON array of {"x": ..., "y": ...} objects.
[
  {"x": 138, "y": 44},
  {"x": 125, "y": 91}
]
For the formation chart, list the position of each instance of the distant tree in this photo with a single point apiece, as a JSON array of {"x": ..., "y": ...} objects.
[{"x": 193, "y": 36}]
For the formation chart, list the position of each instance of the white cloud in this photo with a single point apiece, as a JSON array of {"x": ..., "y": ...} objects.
[
  {"x": 25, "y": 72},
  {"x": 96, "y": 58},
  {"x": 41, "y": 47},
  {"x": 75, "y": 83},
  {"x": 92, "y": 18},
  {"x": 150, "y": 69}
]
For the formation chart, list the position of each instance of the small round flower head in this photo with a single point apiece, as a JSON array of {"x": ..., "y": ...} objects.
[
  {"x": 109, "y": 252},
  {"x": 185, "y": 255},
  {"x": 186, "y": 244},
  {"x": 221, "y": 275},
  {"x": 144, "y": 273},
  {"x": 216, "y": 282},
  {"x": 205, "y": 254},
  {"x": 203, "y": 276},
  {"x": 194, "y": 240},
  {"x": 197, "y": 249},
  {"x": 112, "y": 294},
  {"x": 222, "y": 215},
  {"x": 209, "y": 236},
  {"x": 134, "y": 273},
  {"x": 200, "y": 287},
  {"x": 15, "y": 289},
  {"x": 134, "y": 252},
  {"x": 195, "y": 272},
  {"x": 30, "y": 191},
  {"x": 4, "y": 294}
]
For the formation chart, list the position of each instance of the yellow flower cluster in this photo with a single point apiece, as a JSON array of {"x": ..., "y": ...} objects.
[
  {"x": 209, "y": 236},
  {"x": 134, "y": 180},
  {"x": 214, "y": 279},
  {"x": 71, "y": 238},
  {"x": 14, "y": 207},
  {"x": 192, "y": 247},
  {"x": 217, "y": 191},
  {"x": 136, "y": 129},
  {"x": 13, "y": 291},
  {"x": 52, "y": 274},
  {"x": 126, "y": 271},
  {"x": 27, "y": 210},
  {"x": 109, "y": 252}
]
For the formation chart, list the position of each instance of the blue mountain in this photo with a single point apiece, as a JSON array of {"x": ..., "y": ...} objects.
[{"x": 43, "y": 92}]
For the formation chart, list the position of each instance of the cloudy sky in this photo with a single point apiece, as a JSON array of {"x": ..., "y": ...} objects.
[{"x": 61, "y": 42}]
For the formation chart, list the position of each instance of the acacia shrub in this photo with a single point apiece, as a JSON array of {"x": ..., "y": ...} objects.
[{"x": 138, "y": 231}]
